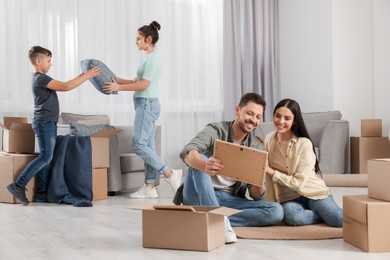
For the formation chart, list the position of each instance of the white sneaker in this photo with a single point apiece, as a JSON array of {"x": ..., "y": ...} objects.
[
  {"x": 145, "y": 192},
  {"x": 175, "y": 180},
  {"x": 230, "y": 235}
]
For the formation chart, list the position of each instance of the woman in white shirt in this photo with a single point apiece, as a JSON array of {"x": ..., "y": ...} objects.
[{"x": 294, "y": 171}]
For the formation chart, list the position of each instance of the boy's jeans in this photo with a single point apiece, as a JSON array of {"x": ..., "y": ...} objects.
[
  {"x": 305, "y": 211},
  {"x": 147, "y": 111},
  {"x": 198, "y": 190},
  {"x": 46, "y": 133}
]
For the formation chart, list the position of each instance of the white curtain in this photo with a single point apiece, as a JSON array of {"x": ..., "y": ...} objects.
[{"x": 190, "y": 47}]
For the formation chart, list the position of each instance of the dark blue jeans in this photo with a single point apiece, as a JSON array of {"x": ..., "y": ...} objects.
[{"x": 46, "y": 133}]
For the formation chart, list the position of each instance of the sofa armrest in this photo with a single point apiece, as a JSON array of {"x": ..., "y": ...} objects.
[{"x": 334, "y": 147}]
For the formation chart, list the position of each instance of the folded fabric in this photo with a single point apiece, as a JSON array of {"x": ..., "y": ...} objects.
[
  {"x": 106, "y": 75},
  {"x": 86, "y": 130}
]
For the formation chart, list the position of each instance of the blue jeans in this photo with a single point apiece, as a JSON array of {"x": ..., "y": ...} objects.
[
  {"x": 198, "y": 190},
  {"x": 147, "y": 111},
  {"x": 305, "y": 211},
  {"x": 46, "y": 133}
]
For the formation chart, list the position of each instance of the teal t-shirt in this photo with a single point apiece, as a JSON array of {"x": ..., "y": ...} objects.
[{"x": 149, "y": 69}]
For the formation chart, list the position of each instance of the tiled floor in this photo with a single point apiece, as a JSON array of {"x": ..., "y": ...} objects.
[{"x": 110, "y": 230}]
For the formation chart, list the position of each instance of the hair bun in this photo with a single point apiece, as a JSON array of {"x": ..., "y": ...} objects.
[{"x": 155, "y": 25}]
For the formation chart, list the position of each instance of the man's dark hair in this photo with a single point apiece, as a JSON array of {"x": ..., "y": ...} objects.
[{"x": 253, "y": 97}]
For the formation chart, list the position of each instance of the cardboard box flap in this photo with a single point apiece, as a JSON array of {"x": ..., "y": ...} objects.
[
  {"x": 105, "y": 133},
  {"x": 141, "y": 206},
  {"x": 382, "y": 159},
  {"x": 224, "y": 211},
  {"x": 21, "y": 127},
  {"x": 8, "y": 121},
  {"x": 174, "y": 207}
]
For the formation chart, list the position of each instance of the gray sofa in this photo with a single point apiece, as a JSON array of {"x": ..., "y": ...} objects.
[
  {"x": 126, "y": 171},
  {"x": 330, "y": 136}
]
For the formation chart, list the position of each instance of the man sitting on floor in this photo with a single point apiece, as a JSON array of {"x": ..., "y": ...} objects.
[{"x": 203, "y": 186}]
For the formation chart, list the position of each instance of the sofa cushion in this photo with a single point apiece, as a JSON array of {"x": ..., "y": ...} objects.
[
  {"x": 106, "y": 75},
  {"x": 130, "y": 162},
  {"x": 67, "y": 118},
  {"x": 86, "y": 130},
  {"x": 316, "y": 121}
]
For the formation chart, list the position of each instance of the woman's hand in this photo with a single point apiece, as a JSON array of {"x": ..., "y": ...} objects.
[
  {"x": 213, "y": 166},
  {"x": 269, "y": 171},
  {"x": 92, "y": 72},
  {"x": 111, "y": 86}
]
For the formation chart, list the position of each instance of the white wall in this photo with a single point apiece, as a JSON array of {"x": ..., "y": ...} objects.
[{"x": 345, "y": 66}]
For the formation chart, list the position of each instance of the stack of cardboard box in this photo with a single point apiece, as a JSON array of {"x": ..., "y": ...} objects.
[
  {"x": 100, "y": 162},
  {"x": 370, "y": 145},
  {"x": 18, "y": 141},
  {"x": 366, "y": 217}
]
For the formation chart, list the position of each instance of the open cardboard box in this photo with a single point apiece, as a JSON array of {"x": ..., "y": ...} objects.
[
  {"x": 100, "y": 142},
  {"x": 198, "y": 228},
  {"x": 11, "y": 166},
  {"x": 18, "y": 135}
]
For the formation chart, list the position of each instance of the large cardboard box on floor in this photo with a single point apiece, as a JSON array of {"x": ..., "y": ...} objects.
[
  {"x": 100, "y": 142},
  {"x": 379, "y": 179},
  {"x": 99, "y": 183},
  {"x": 366, "y": 223},
  {"x": 11, "y": 166},
  {"x": 18, "y": 135},
  {"x": 366, "y": 148},
  {"x": 183, "y": 227},
  {"x": 371, "y": 128}
]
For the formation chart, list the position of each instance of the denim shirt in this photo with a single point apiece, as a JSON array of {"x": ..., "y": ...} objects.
[{"x": 203, "y": 142}]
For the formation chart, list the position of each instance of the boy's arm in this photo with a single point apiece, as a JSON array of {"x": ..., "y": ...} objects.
[{"x": 73, "y": 83}]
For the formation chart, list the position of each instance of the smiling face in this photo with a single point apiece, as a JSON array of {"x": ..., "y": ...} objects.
[
  {"x": 249, "y": 116},
  {"x": 283, "y": 120}
]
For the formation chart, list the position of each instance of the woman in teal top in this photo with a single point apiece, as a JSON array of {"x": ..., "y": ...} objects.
[{"x": 147, "y": 111}]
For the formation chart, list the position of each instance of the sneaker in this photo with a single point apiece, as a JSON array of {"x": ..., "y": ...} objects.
[
  {"x": 19, "y": 193},
  {"x": 175, "y": 180},
  {"x": 145, "y": 192},
  {"x": 230, "y": 235}
]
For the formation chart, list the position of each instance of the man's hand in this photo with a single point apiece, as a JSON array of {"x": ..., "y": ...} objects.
[{"x": 213, "y": 166}]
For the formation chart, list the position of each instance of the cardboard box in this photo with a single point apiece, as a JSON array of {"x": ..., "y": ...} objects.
[
  {"x": 100, "y": 142},
  {"x": 366, "y": 223},
  {"x": 183, "y": 227},
  {"x": 371, "y": 127},
  {"x": 11, "y": 166},
  {"x": 18, "y": 135},
  {"x": 99, "y": 183},
  {"x": 379, "y": 179},
  {"x": 366, "y": 148}
]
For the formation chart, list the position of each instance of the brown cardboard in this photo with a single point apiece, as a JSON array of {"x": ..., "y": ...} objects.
[
  {"x": 241, "y": 163},
  {"x": 366, "y": 148},
  {"x": 11, "y": 166},
  {"x": 183, "y": 227},
  {"x": 379, "y": 179},
  {"x": 366, "y": 223},
  {"x": 99, "y": 183},
  {"x": 371, "y": 127},
  {"x": 100, "y": 148},
  {"x": 18, "y": 135}
]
